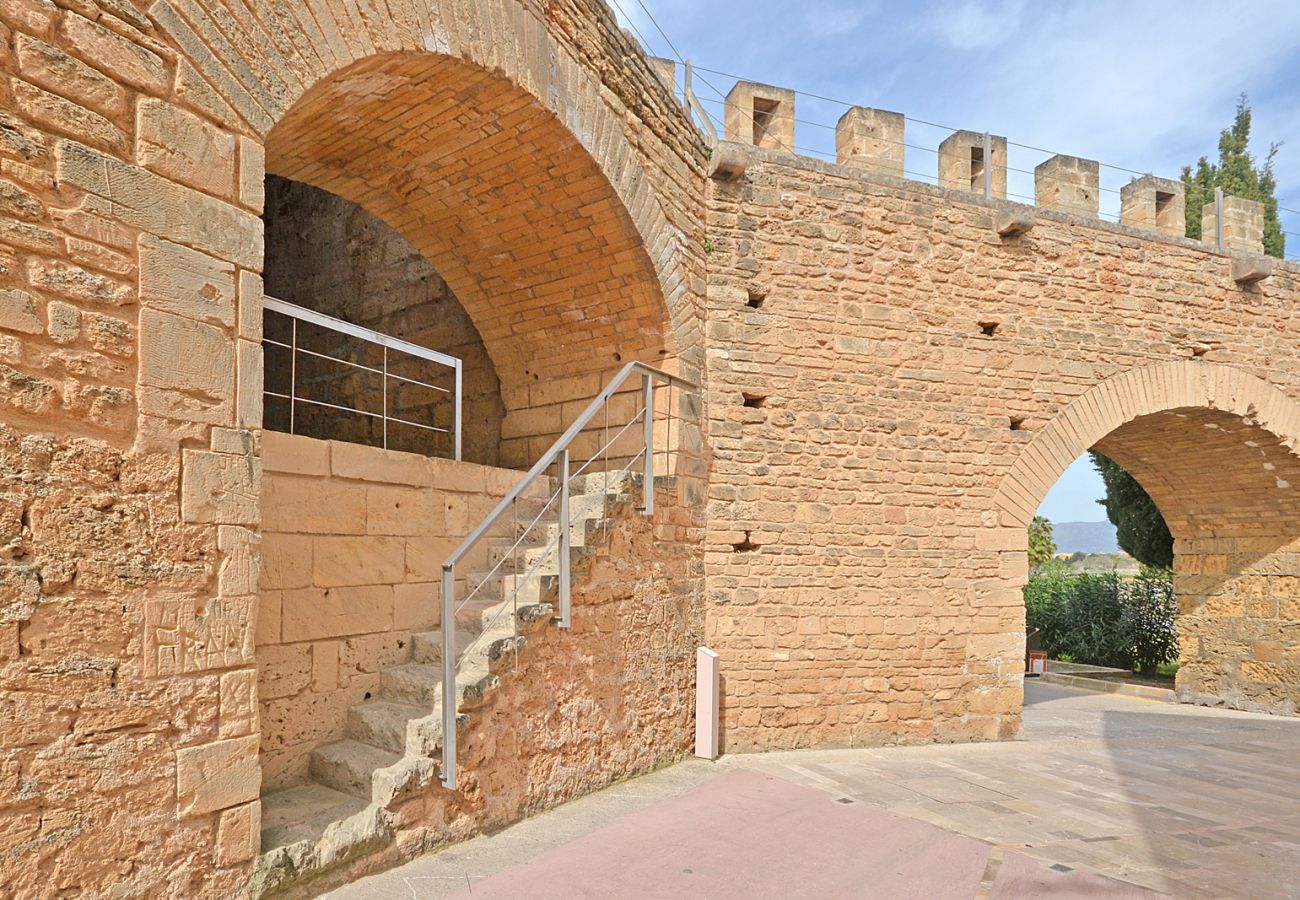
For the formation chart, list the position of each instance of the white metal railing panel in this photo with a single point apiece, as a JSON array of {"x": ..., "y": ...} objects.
[{"x": 388, "y": 344}]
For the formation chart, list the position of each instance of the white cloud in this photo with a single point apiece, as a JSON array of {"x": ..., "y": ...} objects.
[{"x": 971, "y": 24}]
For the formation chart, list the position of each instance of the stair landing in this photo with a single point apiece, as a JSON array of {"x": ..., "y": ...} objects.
[{"x": 302, "y": 813}]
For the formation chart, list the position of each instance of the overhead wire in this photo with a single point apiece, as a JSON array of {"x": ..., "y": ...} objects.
[{"x": 815, "y": 96}]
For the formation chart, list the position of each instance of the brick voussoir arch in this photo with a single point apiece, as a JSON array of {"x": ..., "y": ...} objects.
[
  {"x": 1121, "y": 398},
  {"x": 262, "y": 63}
]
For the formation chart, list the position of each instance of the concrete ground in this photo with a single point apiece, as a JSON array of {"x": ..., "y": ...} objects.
[{"x": 1105, "y": 796}]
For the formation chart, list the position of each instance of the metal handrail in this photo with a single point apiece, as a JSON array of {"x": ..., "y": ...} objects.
[
  {"x": 387, "y": 342},
  {"x": 558, "y": 453}
]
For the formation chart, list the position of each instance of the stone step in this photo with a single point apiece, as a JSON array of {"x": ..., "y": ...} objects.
[
  {"x": 348, "y": 766},
  {"x": 426, "y": 647},
  {"x": 303, "y": 813},
  {"x": 414, "y": 683},
  {"x": 382, "y": 723}
]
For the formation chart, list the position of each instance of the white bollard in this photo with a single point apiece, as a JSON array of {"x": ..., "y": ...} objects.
[{"x": 708, "y": 683}]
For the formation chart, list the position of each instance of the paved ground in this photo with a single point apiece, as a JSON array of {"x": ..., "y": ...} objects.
[{"x": 1105, "y": 796}]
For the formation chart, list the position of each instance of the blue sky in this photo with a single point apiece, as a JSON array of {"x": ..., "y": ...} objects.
[{"x": 1145, "y": 85}]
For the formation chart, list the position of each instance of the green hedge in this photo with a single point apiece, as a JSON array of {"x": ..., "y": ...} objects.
[{"x": 1105, "y": 620}]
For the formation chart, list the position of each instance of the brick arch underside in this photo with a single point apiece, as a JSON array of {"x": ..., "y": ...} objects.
[
  {"x": 1216, "y": 450},
  {"x": 500, "y": 197}
]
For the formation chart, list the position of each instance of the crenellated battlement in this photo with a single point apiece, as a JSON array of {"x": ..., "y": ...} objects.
[{"x": 874, "y": 140}]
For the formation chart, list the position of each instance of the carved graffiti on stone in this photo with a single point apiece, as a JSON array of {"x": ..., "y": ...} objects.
[{"x": 180, "y": 639}]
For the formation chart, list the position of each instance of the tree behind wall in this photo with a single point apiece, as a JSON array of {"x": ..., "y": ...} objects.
[
  {"x": 1042, "y": 546},
  {"x": 1238, "y": 175},
  {"x": 1139, "y": 526}
]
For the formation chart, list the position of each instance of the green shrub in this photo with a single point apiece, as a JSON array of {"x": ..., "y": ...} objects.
[{"x": 1104, "y": 620}]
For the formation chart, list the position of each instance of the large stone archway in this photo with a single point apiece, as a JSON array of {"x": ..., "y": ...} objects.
[
  {"x": 1215, "y": 448},
  {"x": 132, "y": 378}
]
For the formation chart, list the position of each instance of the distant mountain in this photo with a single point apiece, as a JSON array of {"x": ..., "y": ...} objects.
[{"x": 1085, "y": 537}]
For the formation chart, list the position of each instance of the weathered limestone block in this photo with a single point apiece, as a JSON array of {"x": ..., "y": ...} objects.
[
  {"x": 183, "y": 147},
  {"x": 1068, "y": 184},
  {"x": 666, "y": 69},
  {"x": 370, "y": 464},
  {"x": 962, "y": 164},
  {"x": 220, "y": 488},
  {"x": 239, "y": 834},
  {"x": 871, "y": 139},
  {"x": 1250, "y": 269},
  {"x": 314, "y": 613},
  {"x": 1156, "y": 204},
  {"x": 76, "y": 283},
  {"x": 250, "y": 305},
  {"x": 18, "y": 313},
  {"x": 217, "y": 776},
  {"x": 116, "y": 56},
  {"x": 728, "y": 160},
  {"x": 760, "y": 115},
  {"x": 252, "y": 174},
  {"x": 241, "y": 565},
  {"x": 109, "y": 407},
  {"x": 249, "y": 375},
  {"x": 180, "y": 639},
  {"x": 26, "y": 393},
  {"x": 1243, "y": 225},
  {"x": 148, "y": 201},
  {"x": 295, "y": 454},
  {"x": 21, "y": 204},
  {"x": 68, "y": 118},
  {"x": 238, "y": 703},
  {"x": 341, "y": 561},
  {"x": 191, "y": 364},
  {"x": 179, "y": 280},
  {"x": 286, "y": 560},
  {"x": 55, "y": 70}
]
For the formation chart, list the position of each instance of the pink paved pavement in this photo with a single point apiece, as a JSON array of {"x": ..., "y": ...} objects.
[{"x": 748, "y": 835}]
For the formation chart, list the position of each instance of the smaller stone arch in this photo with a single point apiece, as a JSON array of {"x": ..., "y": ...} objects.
[
  {"x": 1149, "y": 390},
  {"x": 1216, "y": 448}
]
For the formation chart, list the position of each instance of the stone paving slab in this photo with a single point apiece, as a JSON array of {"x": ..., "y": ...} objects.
[{"x": 1104, "y": 796}]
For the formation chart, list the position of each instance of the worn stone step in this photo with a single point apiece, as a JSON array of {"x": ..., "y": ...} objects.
[
  {"x": 414, "y": 683},
  {"x": 303, "y": 813},
  {"x": 382, "y": 723},
  {"x": 426, "y": 647},
  {"x": 348, "y": 765}
]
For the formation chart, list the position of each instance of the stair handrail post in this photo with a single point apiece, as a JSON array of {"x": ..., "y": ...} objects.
[
  {"x": 566, "y": 591},
  {"x": 449, "y": 676},
  {"x": 648, "y": 484}
]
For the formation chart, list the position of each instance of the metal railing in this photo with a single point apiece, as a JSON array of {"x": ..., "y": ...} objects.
[
  {"x": 388, "y": 345},
  {"x": 643, "y": 403}
]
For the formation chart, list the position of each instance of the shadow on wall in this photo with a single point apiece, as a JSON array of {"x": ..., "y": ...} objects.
[{"x": 328, "y": 254}]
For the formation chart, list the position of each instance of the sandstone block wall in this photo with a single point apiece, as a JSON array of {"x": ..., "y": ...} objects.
[
  {"x": 611, "y": 697},
  {"x": 352, "y": 546},
  {"x": 134, "y": 144},
  {"x": 888, "y": 403}
]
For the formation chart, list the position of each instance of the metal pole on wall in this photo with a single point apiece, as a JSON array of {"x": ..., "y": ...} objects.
[
  {"x": 566, "y": 590},
  {"x": 1218, "y": 218},
  {"x": 648, "y": 437}
]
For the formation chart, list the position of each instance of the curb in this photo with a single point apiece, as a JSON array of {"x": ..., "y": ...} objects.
[{"x": 1097, "y": 685}]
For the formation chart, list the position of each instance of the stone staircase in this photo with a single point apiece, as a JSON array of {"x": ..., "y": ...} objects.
[{"x": 393, "y": 740}]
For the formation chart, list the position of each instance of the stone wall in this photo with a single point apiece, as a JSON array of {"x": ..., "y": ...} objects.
[
  {"x": 327, "y": 254},
  {"x": 894, "y": 386},
  {"x": 353, "y": 539},
  {"x": 580, "y": 709},
  {"x": 134, "y": 145}
]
